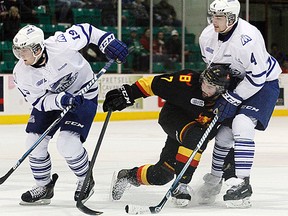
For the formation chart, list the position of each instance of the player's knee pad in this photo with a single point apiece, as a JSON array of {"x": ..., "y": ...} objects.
[
  {"x": 159, "y": 175},
  {"x": 69, "y": 144},
  {"x": 243, "y": 127},
  {"x": 224, "y": 137},
  {"x": 41, "y": 150}
]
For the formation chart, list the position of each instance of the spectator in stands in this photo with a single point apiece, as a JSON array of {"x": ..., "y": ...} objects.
[
  {"x": 109, "y": 12},
  {"x": 174, "y": 46},
  {"x": 26, "y": 10},
  {"x": 65, "y": 9},
  {"x": 160, "y": 51},
  {"x": 127, "y": 4},
  {"x": 165, "y": 14},
  {"x": 140, "y": 13},
  {"x": 159, "y": 47},
  {"x": 145, "y": 42},
  {"x": 145, "y": 39},
  {"x": 11, "y": 24},
  {"x": 3, "y": 11},
  {"x": 136, "y": 51}
]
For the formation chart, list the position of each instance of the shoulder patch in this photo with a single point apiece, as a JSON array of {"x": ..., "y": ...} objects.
[
  {"x": 245, "y": 39},
  {"x": 61, "y": 38},
  {"x": 197, "y": 102}
]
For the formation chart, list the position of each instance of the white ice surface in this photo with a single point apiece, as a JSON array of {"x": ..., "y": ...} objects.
[{"x": 132, "y": 143}]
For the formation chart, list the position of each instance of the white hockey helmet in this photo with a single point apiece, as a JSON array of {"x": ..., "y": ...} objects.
[
  {"x": 30, "y": 37},
  {"x": 228, "y": 8}
]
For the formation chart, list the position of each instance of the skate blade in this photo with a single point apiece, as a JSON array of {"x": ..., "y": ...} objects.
[
  {"x": 243, "y": 203},
  {"x": 36, "y": 203},
  {"x": 113, "y": 180},
  {"x": 90, "y": 194},
  {"x": 180, "y": 203}
]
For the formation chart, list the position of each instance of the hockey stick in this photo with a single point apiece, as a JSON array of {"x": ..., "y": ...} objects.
[
  {"x": 136, "y": 209},
  {"x": 79, "y": 204},
  {"x": 63, "y": 113}
]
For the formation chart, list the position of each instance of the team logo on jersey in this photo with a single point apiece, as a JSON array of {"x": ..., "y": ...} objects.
[
  {"x": 106, "y": 41},
  {"x": 64, "y": 83},
  {"x": 40, "y": 82},
  {"x": 252, "y": 108},
  {"x": 63, "y": 66},
  {"x": 245, "y": 39},
  {"x": 197, "y": 102},
  {"x": 209, "y": 49},
  {"x": 76, "y": 124},
  {"x": 61, "y": 38}
]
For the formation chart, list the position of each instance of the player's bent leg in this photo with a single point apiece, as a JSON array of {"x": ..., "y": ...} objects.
[
  {"x": 71, "y": 148},
  {"x": 40, "y": 195},
  {"x": 157, "y": 174}
]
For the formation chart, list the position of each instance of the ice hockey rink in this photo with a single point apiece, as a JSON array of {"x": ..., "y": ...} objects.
[{"x": 132, "y": 143}]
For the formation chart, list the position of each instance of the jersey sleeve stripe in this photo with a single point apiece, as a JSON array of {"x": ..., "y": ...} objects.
[{"x": 144, "y": 84}]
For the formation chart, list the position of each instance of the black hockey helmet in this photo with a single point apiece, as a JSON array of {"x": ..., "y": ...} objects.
[{"x": 218, "y": 75}]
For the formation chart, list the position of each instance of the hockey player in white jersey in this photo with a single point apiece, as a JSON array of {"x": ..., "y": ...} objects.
[
  {"x": 50, "y": 74},
  {"x": 233, "y": 41}
]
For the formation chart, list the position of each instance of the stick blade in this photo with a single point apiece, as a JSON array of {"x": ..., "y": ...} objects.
[
  {"x": 136, "y": 209},
  {"x": 87, "y": 210},
  {"x": 4, "y": 178}
]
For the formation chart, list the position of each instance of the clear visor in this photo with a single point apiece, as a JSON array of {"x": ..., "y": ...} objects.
[
  {"x": 212, "y": 14},
  {"x": 22, "y": 51},
  {"x": 211, "y": 87},
  {"x": 27, "y": 50}
]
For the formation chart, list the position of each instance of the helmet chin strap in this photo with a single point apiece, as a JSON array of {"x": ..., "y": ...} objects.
[
  {"x": 228, "y": 28},
  {"x": 38, "y": 58}
]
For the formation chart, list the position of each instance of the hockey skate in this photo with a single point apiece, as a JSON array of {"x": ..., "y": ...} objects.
[
  {"x": 124, "y": 178},
  {"x": 181, "y": 195},
  {"x": 209, "y": 190},
  {"x": 238, "y": 196},
  {"x": 40, "y": 195},
  {"x": 88, "y": 191}
]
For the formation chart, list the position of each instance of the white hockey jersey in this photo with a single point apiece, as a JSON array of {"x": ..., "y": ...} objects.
[
  {"x": 245, "y": 51},
  {"x": 65, "y": 70}
]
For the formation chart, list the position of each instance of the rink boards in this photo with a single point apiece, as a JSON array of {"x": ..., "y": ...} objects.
[{"x": 14, "y": 109}]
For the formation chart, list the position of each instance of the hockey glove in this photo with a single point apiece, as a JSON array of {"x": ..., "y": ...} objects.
[
  {"x": 226, "y": 106},
  {"x": 113, "y": 48},
  {"x": 66, "y": 99},
  {"x": 118, "y": 99}
]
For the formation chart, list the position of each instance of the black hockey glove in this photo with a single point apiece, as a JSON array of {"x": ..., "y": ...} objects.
[
  {"x": 113, "y": 48},
  {"x": 118, "y": 99},
  {"x": 226, "y": 106}
]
